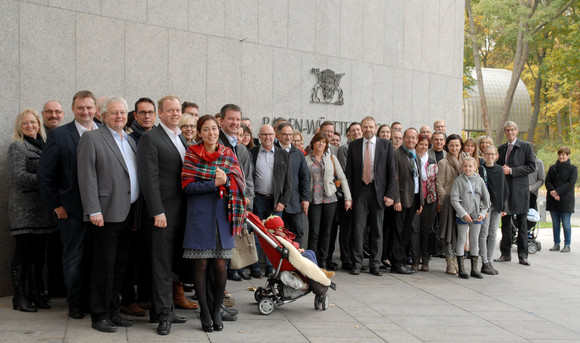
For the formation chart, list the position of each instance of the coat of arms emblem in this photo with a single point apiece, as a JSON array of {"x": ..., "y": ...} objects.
[{"x": 327, "y": 89}]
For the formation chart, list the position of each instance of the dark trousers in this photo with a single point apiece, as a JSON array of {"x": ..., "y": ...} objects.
[
  {"x": 320, "y": 219},
  {"x": 263, "y": 208},
  {"x": 388, "y": 228},
  {"x": 111, "y": 245},
  {"x": 295, "y": 223},
  {"x": 505, "y": 244},
  {"x": 345, "y": 234},
  {"x": 55, "y": 276},
  {"x": 402, "y": 232},
  {"x": 422, "y": 227},
  {"x": 138, "y": 272},
  {"x": 366, "y": 207},
  {"x": 75, "y": 262},
  {"x": 166, "y": 251},
  {"x": 334, "y": 230}
]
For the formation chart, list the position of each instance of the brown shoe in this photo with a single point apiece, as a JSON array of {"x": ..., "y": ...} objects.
[
  {"x": 144, "y": 304},
  {"x": 134, "y": 310},
  {"x": 415, "y": 266},
  {"x": 425, "y": 267},
  {"x": 180, "y": 300},
  {"x": 229, "y": 302},
  {"x": 503, "y": 259}
]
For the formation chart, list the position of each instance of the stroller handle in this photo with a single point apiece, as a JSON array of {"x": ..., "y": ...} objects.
[{"x": 283, "y": 251}]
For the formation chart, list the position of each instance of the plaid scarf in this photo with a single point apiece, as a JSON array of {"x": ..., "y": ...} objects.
[{"x": 200, "y": 165}]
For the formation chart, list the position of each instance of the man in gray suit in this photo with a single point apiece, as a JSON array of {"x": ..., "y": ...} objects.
[
  {"x": 159, "y": 161},
  {"x": 107, "y": 172},
  {"x": 438, "y": 141}
]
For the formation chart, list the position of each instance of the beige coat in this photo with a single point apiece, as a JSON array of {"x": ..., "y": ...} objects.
[
  {"x": 329, "y": 187},
  {"x": 445, "y": 179}
]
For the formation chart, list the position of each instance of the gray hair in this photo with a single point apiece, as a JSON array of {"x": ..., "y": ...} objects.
[
  {"x": 510, "y": 123},
  {"x": 114, "y": 99}
]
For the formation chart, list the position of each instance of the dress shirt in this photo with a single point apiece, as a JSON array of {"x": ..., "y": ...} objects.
[
  {"x": 373, "y": 142},
  {"x": 130, "y": 161},
  {"x": 174, "y": 136},
  {"x": 232, "y": 139},
  {"x": 81, "y": 129},
  {"x": 264, "y": 171},
  {"x": 416, "y": 177}
]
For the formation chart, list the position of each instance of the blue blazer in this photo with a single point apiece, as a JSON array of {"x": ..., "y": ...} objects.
[
  {"x": 205, "y": 211},
  {"x": 57, "y": 171}
]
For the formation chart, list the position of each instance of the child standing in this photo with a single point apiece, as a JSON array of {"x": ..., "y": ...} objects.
[
  {"x": 470, "y": 199},
  {"x": 496, "y": 183}
]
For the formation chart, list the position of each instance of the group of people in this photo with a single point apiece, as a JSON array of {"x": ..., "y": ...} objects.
[{"x": 159, "y": 206}]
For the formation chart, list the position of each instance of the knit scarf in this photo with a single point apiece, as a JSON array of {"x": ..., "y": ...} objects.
[
  {"x": 455, "y": 163},
  {"x": 200, "y": 165},
  {"x": 412, "y": 160}
]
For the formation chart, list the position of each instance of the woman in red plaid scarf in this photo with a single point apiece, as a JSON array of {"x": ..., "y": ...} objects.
[{"x": 214, "y": 184}]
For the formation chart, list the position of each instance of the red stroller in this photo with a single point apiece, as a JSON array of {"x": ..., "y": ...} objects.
[{"x": 286, "y": 258}]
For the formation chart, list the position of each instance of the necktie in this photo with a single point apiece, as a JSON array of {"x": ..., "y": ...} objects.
[
  {"x": 367, "y": 164},
  {"x": 509, "y": 151}
]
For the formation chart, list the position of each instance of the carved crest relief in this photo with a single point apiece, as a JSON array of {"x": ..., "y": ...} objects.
[{"x": 327, "y": 89}]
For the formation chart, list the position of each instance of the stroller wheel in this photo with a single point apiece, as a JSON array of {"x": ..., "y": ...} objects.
[
  {"x": 532, "y": 248},
  {"x": 265, "y": 306},
  {"x": 259, "y": 294},
  {"x": 317, "y": 302},
  {"x": 539, "y": 245},
  {"x": 325, "y": 302}
]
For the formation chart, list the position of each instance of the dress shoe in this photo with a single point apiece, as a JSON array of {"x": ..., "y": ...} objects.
[
  {"x": 330, "y": 266},
  {"x": 355, "y": 271},
  {"x": 347, "y": 266},
  {"x": 386, "y": 263},
  {"x": 503, "y": 259},
  {"x": 524, "y": 261},
  {"x": 229, "y": 309},
  {"x": 232, "y": 275},
  {"x": 76, "y": 313},
  {"x": 104, "y": 325},
  {"x": 415, "y": 266},
  {"x": 122, "y": 322},
  {"x": 566, "y": 248},
  {"x": 425, "y": 267},
  {"x": 256, "y": 274},
  {"x": 402, "y": 270},
  {"x": 207, "y": 328},
  {"x": 243, "y": 275},
  {"x": 134, "y": 310},
  {"x": 218, "y": 327},
  {"x": 227, "y": 317},
  {"x": 376, "y": 271},
  {"x": 164, "y": 328},
  {"x": 556, "y": 247}
]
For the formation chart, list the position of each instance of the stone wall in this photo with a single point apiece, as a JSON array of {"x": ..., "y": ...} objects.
[{"x": 402, "y": 59}]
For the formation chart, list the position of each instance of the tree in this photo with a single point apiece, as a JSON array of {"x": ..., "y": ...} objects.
[{"x": 518, "y": 22}]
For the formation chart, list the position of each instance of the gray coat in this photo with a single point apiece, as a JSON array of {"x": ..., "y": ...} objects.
[
  {"x": 464, "y": 202},
  {"x": 27, "y": 213},
  {"x": 537, "y": 178}
]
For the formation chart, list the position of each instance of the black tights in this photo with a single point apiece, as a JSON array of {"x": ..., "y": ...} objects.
[{"x": 210, "y": 287}]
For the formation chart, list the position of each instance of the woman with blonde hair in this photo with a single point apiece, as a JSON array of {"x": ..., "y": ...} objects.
[
  {"x": 187, "y": 125},
  {"x": 30, "y": 221}
]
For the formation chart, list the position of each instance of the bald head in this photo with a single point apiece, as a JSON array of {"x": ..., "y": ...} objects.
[{"x": 52, "y": 114}]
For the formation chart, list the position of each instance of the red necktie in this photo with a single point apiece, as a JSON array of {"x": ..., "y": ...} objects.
[
  {"x": 367, "y": 164},
  {"x": 509, "y": 151}
]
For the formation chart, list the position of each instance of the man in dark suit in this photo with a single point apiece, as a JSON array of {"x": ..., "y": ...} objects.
[
  {"x": 108, "y": 183},
  {"x": 58, "y": 184},
  {"x": 517, "y": 160},
  {"x": 370, "y": 170},
  {"x": 159, "y": 161},
  {"x": 300, "y": 197},
  {"x": 272, "y": 183},
  {"x": 230, "y": 118},
  {"x": 407, "y": 200}
]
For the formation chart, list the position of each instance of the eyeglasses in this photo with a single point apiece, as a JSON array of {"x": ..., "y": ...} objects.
[
  {"x": 146, "y": 113},
  {"x": 53, "y": 111},
  {"x": 245, "y": 135},
  {"x": 191, "y": 127}
]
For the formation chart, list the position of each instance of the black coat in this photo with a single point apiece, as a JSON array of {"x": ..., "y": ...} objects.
[
  {"x": 522, "y": 161},
  {"x": 561, "y": 177}
]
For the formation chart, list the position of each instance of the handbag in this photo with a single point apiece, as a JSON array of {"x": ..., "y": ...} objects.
[
  {"x": 336, "y": 180},
  {"x": 245, "y": 252}
]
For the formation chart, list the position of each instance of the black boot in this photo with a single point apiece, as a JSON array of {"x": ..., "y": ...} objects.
[
  {"x": 474, "y": 271},
  {"x": 19, "y": 301},
  {"x": 36, "y": 288},
  {"x": 462, "y": 273}
]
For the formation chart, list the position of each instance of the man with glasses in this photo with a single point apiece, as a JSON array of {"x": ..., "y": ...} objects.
[
  {"x": 145, "y": 117},
  {"x": 52, "y": 114}
]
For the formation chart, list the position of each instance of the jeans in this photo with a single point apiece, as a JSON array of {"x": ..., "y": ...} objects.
[
  {"x": 488, "y": 235},
  {"x": 75, "y": 268},
  {"x": 564, "y": 218}
]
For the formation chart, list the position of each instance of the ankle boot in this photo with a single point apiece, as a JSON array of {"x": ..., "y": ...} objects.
[
  {"x": 180, "y": 300},
  {"x": 487, "y": 269},
  {"x": 20, "y": 301},
  {"x": 462, "y": 273},
  {"x": 450, "y": 266},
  {"x": 474, "y": 271}
]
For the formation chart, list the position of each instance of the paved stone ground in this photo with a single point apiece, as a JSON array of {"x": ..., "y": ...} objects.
[{"x": 522, "y": 304}]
